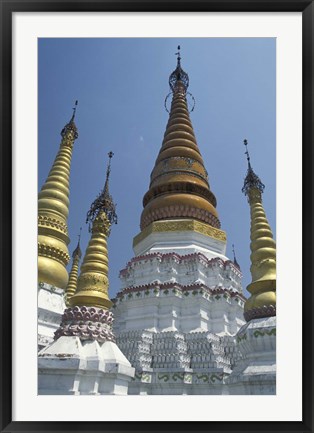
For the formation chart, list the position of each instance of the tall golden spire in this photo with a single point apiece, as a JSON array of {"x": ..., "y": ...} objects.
[
  {"x": 262, "y": 303},
  {"x": 179, "y": 187},
  {"x": 72, "y": 284},
  {"x": 92, "y": 284},
  {"x": 53, "y": 209}
]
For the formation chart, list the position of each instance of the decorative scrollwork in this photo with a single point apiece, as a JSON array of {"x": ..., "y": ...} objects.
[
  {"x": 54, "y": 253},
  {"x": 87, "y": 323}
]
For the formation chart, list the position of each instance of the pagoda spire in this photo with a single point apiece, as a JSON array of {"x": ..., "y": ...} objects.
[
  {"x": 179, "y": 187},
  {"x": 92, "y": 284},
  {"x": 72, "y": 284},
  {"x": 235, "y": 258},
  {"x": 53, "y": 210},
  {"x": 262, "y": 302}
]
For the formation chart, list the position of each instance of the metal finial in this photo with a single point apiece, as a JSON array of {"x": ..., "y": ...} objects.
[
  {"x": 74, "y": 109},
  {"x": 104, "y": 201},
  {"x": 70, "y": 126},
  {"x": 178, "y": 55},
  {"x": 79, "y": 236},
  {"x": 247, "y": 152},
  {"x": 251, "y": 179},
  {"x": 178, "y": 75},
  {"x": 110, "y": 154}
]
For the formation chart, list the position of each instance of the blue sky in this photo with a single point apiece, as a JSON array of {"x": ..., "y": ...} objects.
[{"x": 121, "y": 85}]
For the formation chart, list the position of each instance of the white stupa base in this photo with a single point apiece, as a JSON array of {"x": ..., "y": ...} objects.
[
  {"x": 51, "y": 306},
  {"x": 255, "y": 372},
  {"x": 166, "y": 308},
  {"x": 70, "y": 366},
  {"x": 179, "y": 382},
  {"x": 175, "y": 363}
]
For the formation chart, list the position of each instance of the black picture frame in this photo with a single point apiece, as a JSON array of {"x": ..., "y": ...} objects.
[{"x": 7, "y": 9}]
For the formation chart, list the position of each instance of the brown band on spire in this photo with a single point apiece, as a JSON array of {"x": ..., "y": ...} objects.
[{"x": 179, "y": 185}]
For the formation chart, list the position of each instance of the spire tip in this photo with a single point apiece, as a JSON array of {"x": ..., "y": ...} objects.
[
  {"x": 70, "y": 126},
  {"x": 251, "y": 179},
  {"x": 178, "y": 75},
  {"x": 79, "y": 236},
  {"x": 234, "y": 257},
  {"x": 247, "y": 152},
  {"x": 104, "y": 201}
]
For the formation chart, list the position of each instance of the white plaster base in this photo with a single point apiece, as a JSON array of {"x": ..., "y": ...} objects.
[
  {"x": 176, "y": 363},
  {"x": 192, "y": 310},
  {"x": 181, "y": 242},
  {"x": 255, "y": 371},
  {"x": 178, "y": 382},
  {"x": 51, "y": 306},
  {"x": 75, "y": 367}
]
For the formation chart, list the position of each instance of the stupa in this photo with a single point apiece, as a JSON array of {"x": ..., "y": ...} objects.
[
  {"x": 53, "y": 238},
  {"x": 181, "y": 301},
  {"x": 182, "y": 324},
  {"x": 255, "y": 371},
  {"x": 84, "y": 359}
]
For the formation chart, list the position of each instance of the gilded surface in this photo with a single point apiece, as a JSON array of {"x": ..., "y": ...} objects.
[
  {"x": 179, "y": 163},
  {"x": 45, "y": 221},
  {"x": 263, "y": 259},
  {"x": 92, "y": 284},
  {"x": 72, "y": 284},
  {"x": 53, "y": 209},
  {"x": 57, "y": 254},
  {"x": 179, "y": 226}
]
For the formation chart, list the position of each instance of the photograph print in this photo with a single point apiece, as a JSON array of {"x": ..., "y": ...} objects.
[{"x": 156, "y": 216}]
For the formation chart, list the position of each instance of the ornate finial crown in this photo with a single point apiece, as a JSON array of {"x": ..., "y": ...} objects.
[
  {"x": 70, "y": 126},
  {"x": 77, "y": 252},
  {"x": 251, "y": 179},
  {"x": 103, "y": 202},
  {"x": 234, "y": 257},
  {"x": 178, "y": 75}
]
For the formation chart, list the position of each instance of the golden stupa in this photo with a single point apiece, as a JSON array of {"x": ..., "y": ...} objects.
[
  {"x": 262, "y": 303},
  {"x": 179, "y": 187},
  {"x": 73, "y": 275},
  {"x": 53, "y": 210},
  {"x": 93, "y": 283}
]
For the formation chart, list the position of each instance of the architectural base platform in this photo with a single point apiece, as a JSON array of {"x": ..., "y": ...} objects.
[
  {"x": 73, "y": 367},
  {"x": 51, "y": 306},
  {"x": 177, "y": 363},
  {"x": 255, "y": 372}
]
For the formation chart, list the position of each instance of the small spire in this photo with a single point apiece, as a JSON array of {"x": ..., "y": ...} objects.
[
  {"x": 70, "y": 126},
  {"x": 234, "y": 257},
  {"x": 251, "y": 179},
  {"x": 104, "y": 201},
  {"x": 77, "y": 252},
  {"x": 178, "y": 75}
]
